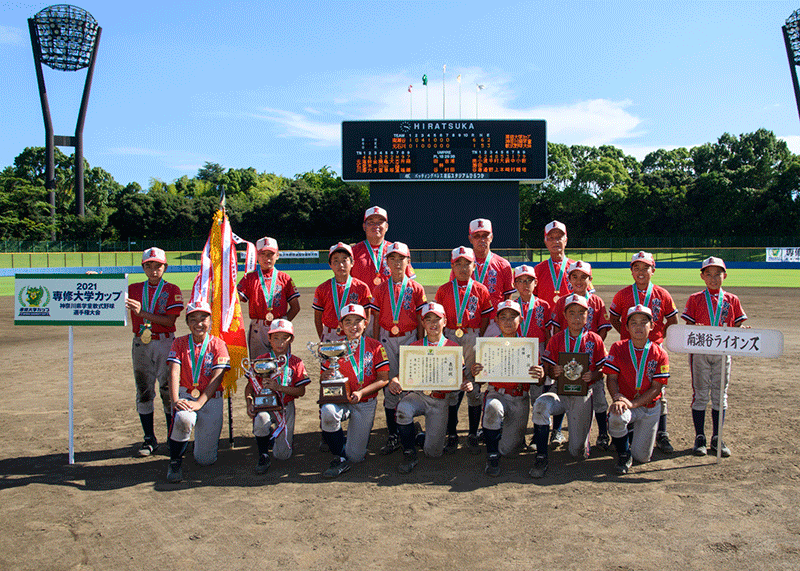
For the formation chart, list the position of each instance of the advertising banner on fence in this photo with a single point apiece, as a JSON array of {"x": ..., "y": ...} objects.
[
  {"x": 783, "y": 255},
  {"x": 70, "y": 299}
]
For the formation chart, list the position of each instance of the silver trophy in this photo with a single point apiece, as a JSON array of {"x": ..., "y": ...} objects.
[
  {"x": 337, "y": 388},
  {"x": 265, "y": 399}
]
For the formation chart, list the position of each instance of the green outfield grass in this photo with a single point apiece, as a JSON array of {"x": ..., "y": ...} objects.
[{"x": 665, "y": 277}]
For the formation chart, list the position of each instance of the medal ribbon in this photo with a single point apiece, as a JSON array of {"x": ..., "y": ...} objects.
[
  {"x": 461, "y": 304},
  {"x": 337, "y": 302},
  {"x": 399, "y": 301},
  {"x": 640, "y": 364},
  {"x": 197, "y": 362},
  {"x": 715, "y": 316},
  {"x": 267, "y": 296},
  {"x": 647, "y": 295},
  {"x": 284, "y": 374},
  {"x": 441, "y": 342},
  {"x": 577, "y": 347},
  {"x": 358, "y": 367},
  {"x": 147, "y": 304},
  {"x": 557, "y": 282},
  {"x": 480, "y": 277},
  {"x": 526, "y": 318},
  {"x": 377, "y": 259}
]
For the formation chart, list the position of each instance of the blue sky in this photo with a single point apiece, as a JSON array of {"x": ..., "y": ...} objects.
[{"x": 267, "y": 84}]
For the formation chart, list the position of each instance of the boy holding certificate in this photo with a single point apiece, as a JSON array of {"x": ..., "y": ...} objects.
[
  {"x": 396, "y": 304},
  {"x": 637, "y": 370},
  {"x": 433, "y": 405},
  {"x": 506, "y": 405},
  {"x": 468, "y": 306},
  {"x": 577, "y": 408}
]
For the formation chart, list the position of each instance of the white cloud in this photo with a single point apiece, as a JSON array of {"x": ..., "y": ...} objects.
[
  {"x": 793, "y": 141},
  {"x": 135, "y": 151},
  {"x": 299, "y": 125},
  {"x": 13, "y": 36}
]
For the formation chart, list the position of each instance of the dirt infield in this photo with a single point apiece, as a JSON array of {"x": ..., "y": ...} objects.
[{"x": 113, "y": 511}]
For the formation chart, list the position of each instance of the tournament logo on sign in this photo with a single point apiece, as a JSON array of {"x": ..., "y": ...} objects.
[{"x": 33, "y": 301}]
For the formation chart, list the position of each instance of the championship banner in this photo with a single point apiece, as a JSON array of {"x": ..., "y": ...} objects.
[
  {"x": 70, "y": 299},
  {"x": 783, "y": 255},
  {"x": 216, "y": 284}
]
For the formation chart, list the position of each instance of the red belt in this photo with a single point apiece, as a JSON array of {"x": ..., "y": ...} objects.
[{"x": 438, "y": 394}]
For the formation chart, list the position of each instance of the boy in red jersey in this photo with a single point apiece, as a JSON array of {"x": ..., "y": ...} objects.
[
  {"x": 367, "y": 370},
  {"x": 665, "y": 314},
  {"x": 196, "y": 365},
  {"x": 637, "y": 370},
  {"x": 467, "y": 305},
  {"x": 154, "y": 305},
  {"x": 716, "y": 307},
  {"x": 396, "y": 304},
  {"x": 269, "y": 294},
  {"x": 579, "y": 408},
  {"x": 289, "y": 383}
]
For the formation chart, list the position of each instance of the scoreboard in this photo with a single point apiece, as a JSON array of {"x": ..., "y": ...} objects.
[{"x": 446, "y": 150}]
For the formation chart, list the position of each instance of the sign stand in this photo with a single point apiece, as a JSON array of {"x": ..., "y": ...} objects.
[
  {"x": 724, "y": 341},
  {"x": 71, "y": 396}
]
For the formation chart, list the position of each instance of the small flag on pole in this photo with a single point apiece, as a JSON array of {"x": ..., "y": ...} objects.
[
  {"x": 479, "y": 86},
  {"x": 409, "y": 89},
  {"x": 424, "y": 80},
  {"x": 458, "y": 79}
]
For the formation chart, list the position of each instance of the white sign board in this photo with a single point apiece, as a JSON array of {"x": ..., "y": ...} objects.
[
  {"x": 736, "y": 341},
  {"x": 783, "y": 254},
  {"x": 70, "y": 299}
]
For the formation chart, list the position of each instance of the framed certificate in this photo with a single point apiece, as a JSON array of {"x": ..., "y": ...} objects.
[
  {"x": 506, "y": 359},
  {"x": 570, "y": 382},
  {"x": 430, "y": 368}
]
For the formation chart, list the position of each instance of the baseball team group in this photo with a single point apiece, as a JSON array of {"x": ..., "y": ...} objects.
[{"x": 373, "y": 305}]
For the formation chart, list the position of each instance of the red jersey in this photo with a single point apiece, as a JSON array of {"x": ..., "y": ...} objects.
[
  {"x": 413, "y": 300},
  {"x": 250, "y": 290},
  {"x": 447, "y": 343},
  {"x": 696, "y": 310},
  {"x": 375, "y": 360},
  {"x": 498, "y": 278},
  {"x": 323, "y": 299},
  {"x": 660, "y": 304},
  {"x": 545, "y": 288},
  {"x": 596, "y": 317},
  {"x": 478, "y": 306},
  {"x": 619, "y": 363},
  {"x": 169, "y": 302},
  {"x": 539, "y": 319},
  {"x": 294, "y": 375},
  {"x": 364, "y": 268},
  {"x": 590, "y": 343},
  {"x": 216, "y": 357}
]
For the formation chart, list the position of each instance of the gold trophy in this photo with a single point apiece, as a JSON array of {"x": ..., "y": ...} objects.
[
  {"x": 336, "y": 389},
  {"x": 265, "y": 399}
]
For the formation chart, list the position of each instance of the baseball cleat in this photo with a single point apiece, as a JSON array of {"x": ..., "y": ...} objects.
[
  {"x": 392, "y": 444},
  {"x": 148, "y": 448},
  {"x": 493, "y": 465},
  {"x": 474, "y": 445},
  {"x": 557, "y": 438},
  {"x": 726, "y": 452},
  {"x": 539, "y": 467},
  {"x": 338, "y": 467},
  {"x": 624, "y": 463},
  {"x": 452, "y": 444},
  {"x": 604, "y": 442},
  {"x": 323, "y": 446},
  {"x": 263, "y": 464},
  {"x": 663, "y": 443},
  {"x": 174, "y": 472},
  {"x": 699, "y": 448},
  {"x": 409, "y": 462}
]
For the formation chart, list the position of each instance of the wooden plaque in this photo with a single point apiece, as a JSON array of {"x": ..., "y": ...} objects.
[{"x": 570, "y": 382}]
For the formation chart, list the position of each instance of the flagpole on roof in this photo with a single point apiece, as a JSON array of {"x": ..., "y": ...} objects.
[{"x": 444, "y": 69}]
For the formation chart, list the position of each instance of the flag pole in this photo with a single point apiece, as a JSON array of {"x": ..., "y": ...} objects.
[
  {"x": 459, "y": 96},
  {"x": 444, "y": 69},
  {"x": 410, "y": 103}
]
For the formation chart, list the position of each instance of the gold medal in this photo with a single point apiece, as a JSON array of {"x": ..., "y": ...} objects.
[
  {"x": 195, "y": 393},
  {"x": 269, "y": 316},
  {"x": 395, "y": 330},
  {"x": 555, "y": 298},
  {"x": 377, "y": 280},
  {"x": 459, "y": 333},
  {"x": 146, "y": 336}
]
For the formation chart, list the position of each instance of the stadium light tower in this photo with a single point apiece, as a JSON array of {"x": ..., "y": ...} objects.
[
  {"x": 791, "y": 35},
  {"x": 64, "y": 38}
]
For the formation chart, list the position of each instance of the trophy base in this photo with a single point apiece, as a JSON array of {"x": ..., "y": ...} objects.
[
  {"x": 334, "y": 392},
  {"x": 267, "y": 403}
]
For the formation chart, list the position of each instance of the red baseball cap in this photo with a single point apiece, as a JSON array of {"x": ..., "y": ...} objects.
[
  {"x": 480, "y": 225},
  {"x": 509, "y": 304},
  {"x": 154, "y": 255},
  {"x": 584, "y": 267},
  {"x": 398, "y": 248},
  {"x": 462, "y": 252},
  {"x": 353, "y": 309},
  {"x": 376, "y": 211},
  {"x": 340, "y": 246},
  {"x": 198, "y": 305},
  {"x": 433, "y": 307},
  {"x": 573, "y": 299},
  {"x": 639, "y": 308},
  {"x": 267, "y": 243},
  {"x": 555, "y": 225},
  {"x": 645, "y": 257},
  {"x": 712, "y": 261},
  {"x": 281, "y": 326}
]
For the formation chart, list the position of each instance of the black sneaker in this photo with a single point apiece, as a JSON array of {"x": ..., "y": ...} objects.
[
  {"x": 263, "y": 464},
  {"x": 725, "y": 453},
  {"x": 174, "y": 472},
  {"x": 409, "y": 462},
  {"x": 338, "y": 467},
  {"x": 557, "y": 438},
  {"x": 663, "y": 443},
  {"x": 493, "y": 465},
  {"x": 699, "y": 448},
  {"x": 603, "y": 442},
  {"x": 539, "y": 467},
  {"x": 474, "y": 445},
  {"x": 624, "y": 463},
  {"x": 452, "y": 444},
  {"x": 148, "y": 448},
  {"x": 392, "y": 444}
]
